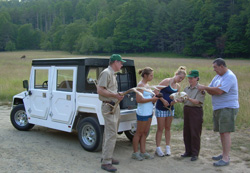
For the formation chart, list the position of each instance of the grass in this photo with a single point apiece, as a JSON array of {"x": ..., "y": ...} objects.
[{"x": 14, "y": 70}]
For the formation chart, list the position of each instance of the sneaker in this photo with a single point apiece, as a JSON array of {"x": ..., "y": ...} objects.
[
  {"x": 146, "y": 156},
  {"x": 108, "y": 167},
  {"x": 158, "y": 152},
  {"x": 221, "y": 163},
  {"x": 217, "y": 157},
  {"x": 137, "y": 156},
  {"x": 168, "y": 152}
]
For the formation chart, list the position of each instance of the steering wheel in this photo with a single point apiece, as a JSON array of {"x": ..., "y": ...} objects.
[{"x": 45, "y": 83}]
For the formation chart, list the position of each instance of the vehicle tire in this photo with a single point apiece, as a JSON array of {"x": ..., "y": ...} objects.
[
  {"x": 130, "y": 134},
  {"x": 90, "y": 134},
  {"x": 19, "y": 119}
]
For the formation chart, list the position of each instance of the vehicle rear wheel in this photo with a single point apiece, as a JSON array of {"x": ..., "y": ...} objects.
[
  {"x": 130, "y": 134},
  {"x": 19, "y": 119},
  {"x": 90, "y": 134}
]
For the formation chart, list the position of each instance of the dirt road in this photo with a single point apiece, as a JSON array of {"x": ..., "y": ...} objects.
[{"x": 46, "y": 150}]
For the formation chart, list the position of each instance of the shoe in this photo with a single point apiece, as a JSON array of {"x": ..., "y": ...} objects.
[
  {"x": 108, "y": 167},
  {"x": 114, "y": 162},
  {"x": 194, "y": 158},
  {"x": 221, "y": 163},
  {"x": 159, "y": 153},
  {"x": 146, "y": 156},
  {"x": 186, "y": 155},
  {"x": 168, "y": 152},
  {"x": 217, "y": 157},
  {"x": 137, "y": 156}
]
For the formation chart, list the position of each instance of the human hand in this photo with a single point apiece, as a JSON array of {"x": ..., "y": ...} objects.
[
  {"x": 156, "y": 92},
  {"x": 159, "y": 95},
  {"x": 154, "y": 99},
  {"x": 119, "y": 96},
  {"x": 172, "y": 103},
  {"x": 165, "y": 103}
]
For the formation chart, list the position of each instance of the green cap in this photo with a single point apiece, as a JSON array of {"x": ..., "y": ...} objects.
[
  {"x": 116, "y": 57},
  {"x": 193, "y": 73}
]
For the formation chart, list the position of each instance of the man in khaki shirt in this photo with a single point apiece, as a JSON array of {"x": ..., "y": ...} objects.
[
  {"x": 193, "y": 116},
  {"x": 107, "y": 90}
]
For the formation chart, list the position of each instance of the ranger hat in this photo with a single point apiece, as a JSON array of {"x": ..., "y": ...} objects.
[
  {"x": 193, "y": 73},
  {"x": 116, "y": 57}
]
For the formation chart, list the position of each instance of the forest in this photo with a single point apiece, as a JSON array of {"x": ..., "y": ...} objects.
[{"x": 207, "y": 28}]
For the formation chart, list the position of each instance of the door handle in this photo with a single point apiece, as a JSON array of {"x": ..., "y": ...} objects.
[
  {"x": 68, "y": 97},
  {"x": 44, "y": 95}
]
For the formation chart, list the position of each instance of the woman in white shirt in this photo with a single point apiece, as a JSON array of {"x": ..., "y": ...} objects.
[{"x": 144, "y": 115}]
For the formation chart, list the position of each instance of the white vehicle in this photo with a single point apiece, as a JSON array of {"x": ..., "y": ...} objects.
[{"x": 62, "y": 95}]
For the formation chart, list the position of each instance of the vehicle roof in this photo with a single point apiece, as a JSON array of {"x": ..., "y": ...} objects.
[{"x": 85, "y": 61}]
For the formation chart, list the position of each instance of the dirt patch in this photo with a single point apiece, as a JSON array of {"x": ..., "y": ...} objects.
[{"x": 46, "y": 150}]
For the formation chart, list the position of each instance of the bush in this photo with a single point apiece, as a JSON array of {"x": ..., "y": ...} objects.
[{"x": 10, "y": 46}]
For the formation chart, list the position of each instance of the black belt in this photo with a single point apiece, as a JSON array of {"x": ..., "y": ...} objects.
[{"x": 109, "y": 102}]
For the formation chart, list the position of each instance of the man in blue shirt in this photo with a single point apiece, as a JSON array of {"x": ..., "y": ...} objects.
[{"x": 224, "y": 91}]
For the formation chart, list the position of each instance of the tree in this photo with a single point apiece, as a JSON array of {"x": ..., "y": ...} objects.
[
  {"x": 8, "y": 30},
  {"x": 25, "y": 37},
  {"x": 158, "y": 35},
  {"x": 55, "y": 34},
  {"x": 71, "y": 34},
  {"x": 236, "y": 44},
  {"x": 131, "y": 32},
  {"x": 179, "y": 24},
  {"x": 87, "y": 44},
  {"x": 103, "y": 28},
  {"x": 207, "y": 29},
  {"x": 10, "y": 46}
]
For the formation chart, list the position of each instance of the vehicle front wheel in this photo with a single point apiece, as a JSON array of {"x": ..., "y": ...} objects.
[
  {"x": 90, "y": 134},
  {"x": 19, "y": 119}
]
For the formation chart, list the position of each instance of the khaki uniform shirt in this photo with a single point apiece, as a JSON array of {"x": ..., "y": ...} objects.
[
  {"x": 194, "y": 93},
  {"x": 107, "y": 79}
]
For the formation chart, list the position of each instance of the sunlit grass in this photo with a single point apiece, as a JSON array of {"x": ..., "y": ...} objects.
[{"x": 14, "y": 71}]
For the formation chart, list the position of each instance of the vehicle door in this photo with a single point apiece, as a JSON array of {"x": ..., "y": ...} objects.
[
  {"x": 63, "y": 94},
  {"x": 39, "y": 87}
]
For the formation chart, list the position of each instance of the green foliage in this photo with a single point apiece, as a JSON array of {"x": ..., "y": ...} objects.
[
  {"x": 87, "y": 44},
  {"x": 208, "y": 28},
  {"x": 178, "y": 126},
  {"x": 7, "y": 31},
  {"x": 179, "y": 24},
  {"x": 10, "y": 46},
  {"x": 46, "y": 45},
  {"x": 130, "y": 34},
  {"x": 236, "y": 43},
  {"x": 158, "y": 28},
  {"x": 28, "y": 38},
  {"x": 71, "y": 34}
]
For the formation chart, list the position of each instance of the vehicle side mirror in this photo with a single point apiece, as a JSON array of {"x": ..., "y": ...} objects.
[{"x": 26, "y": 84}]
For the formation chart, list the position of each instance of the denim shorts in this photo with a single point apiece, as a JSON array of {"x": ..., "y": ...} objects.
[
  {"x": 143, "y": 118},
  {"x": 224, "y": 120}
]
